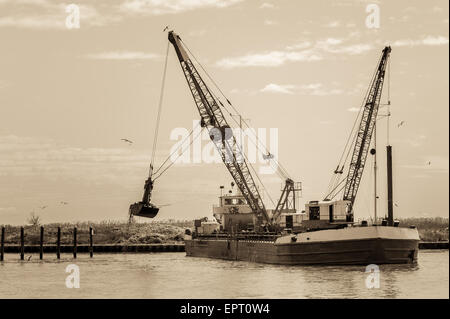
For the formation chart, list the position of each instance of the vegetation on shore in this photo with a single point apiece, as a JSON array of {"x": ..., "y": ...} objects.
[
  {"x": 105, "y": 232},
  {"x": 170, "y": 231},
  {"x": 430, "y": 229}
]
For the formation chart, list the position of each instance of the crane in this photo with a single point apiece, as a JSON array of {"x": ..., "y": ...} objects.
[
  {"x": 363, "y": 135},
  {"x": 212, "y": 118}
]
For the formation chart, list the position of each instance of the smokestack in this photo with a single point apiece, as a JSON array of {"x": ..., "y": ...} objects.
[{"x": 389, "y": 186}]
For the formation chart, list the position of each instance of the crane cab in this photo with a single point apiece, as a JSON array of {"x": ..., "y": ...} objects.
[
  {"x": 234, "y": 213},
  {"x": 327, "y": 214}
]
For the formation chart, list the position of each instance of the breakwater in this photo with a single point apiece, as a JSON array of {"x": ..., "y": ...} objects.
[
  {"x": 103, "y": 248},
  {"x": 142, "y": 248}
]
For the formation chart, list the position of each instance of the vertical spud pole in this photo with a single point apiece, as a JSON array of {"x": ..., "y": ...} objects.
[
  {"x": 2, "y": 244},
  {"x": 58, "y": 243},
  {"x": 41, "y": 244},
  {"x": 75, "y": 242},
  {"x": 91, "y": 244},
  {"x": 22, "y": 243}
]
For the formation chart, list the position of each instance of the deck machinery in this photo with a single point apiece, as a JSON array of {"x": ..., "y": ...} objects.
[
  {"x": 221, "y": 135},
  {"x": 340, "y": 212},
  {"x": 327, "y": 232}
]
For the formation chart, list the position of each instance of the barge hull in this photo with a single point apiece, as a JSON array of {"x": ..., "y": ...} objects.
[{"x": 342, "y": 247}]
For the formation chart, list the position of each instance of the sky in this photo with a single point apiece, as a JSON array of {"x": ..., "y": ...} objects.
[{"x": 68, "y": 96}]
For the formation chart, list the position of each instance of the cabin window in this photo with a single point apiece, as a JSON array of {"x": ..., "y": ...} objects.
[
  {"x": 314, "y": 213},
  {"x": 289, "y": 221},
  {"x": 228, "y": 201}
]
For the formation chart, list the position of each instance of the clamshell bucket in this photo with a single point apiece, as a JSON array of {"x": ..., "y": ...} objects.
[{"x": 143, "y": 210}]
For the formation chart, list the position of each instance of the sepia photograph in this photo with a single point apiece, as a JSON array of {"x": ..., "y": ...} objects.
[{"x": 202, "y": 152}]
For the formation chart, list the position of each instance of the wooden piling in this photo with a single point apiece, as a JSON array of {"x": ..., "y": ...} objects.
[
  {"x": 22, "y": 243},
  {"x": 2, "y": 244},
  {"x": 75, "y": 242},
  {"x": 41, "y": 244},
  {"x": 58, "y": 243},
  {"x": 91, "y": 244}
]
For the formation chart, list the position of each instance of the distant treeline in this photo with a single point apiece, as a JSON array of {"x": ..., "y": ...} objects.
[
  {"x": 168, "y": 231},
  {"x": 430, "y": 229}
]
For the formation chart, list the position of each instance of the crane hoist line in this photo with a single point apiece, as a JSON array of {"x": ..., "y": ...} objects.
[
  {"x": 212, "y": 118},
  {"x": 361, "y": 139}
]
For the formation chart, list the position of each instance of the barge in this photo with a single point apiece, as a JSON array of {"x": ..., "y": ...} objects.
[{"x": 300, "y": 242}]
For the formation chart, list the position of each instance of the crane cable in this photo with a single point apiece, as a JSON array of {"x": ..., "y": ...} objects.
[
  {"x": 335, "y": 180},
  {"x": 181, "y": 153},
  {"x": 155, "y": 139},
  {"x": 283, "y": 170},
  {"x": 218, "y": 88},
  {"x": 176, "y": 150},
  {"x": 257, "y": 176},
  {"x": 158, "y": 118}
]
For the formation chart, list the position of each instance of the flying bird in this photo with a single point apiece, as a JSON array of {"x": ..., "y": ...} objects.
[
  {"x": 43, "y": 207},
  {"x": 166, "y": 28},
  {"x": 429, "y": 163},
  {"x": 127, "y": 141},
  {"x": 64, "y": 203},
  {"x": 401, "y": 123}
]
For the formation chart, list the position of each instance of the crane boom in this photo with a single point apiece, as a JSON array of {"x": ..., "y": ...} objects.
[
  {"x": 220, "y": 132},
  {"x": 364, "y": 133}
]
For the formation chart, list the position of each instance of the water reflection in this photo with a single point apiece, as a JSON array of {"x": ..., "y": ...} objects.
[{"x": 173, "y": 275}]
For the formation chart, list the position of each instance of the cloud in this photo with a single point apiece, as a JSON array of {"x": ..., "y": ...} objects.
[
  {"x": 333, "y": 45},
  {"x": 160, "y": 7},
  {"x": 333, "y": 24},
  {"x": 270, "y": 22},
  {"x": 266, "y": 5},
  {"x": 277, "y": 88},
  {"x": 33, "y": 22},
  {"x": 353, "y": 49},
  {"x": 431, "y": 163},
  {"x": 317, "y": 89},
  {"x": 353, "y": 109},
  {"x": 27, "y": 156},
  {"x": 197, "y": 33},
  {"x": 42, "y": 14},
  {"x": 304, "y": 51},
  {"x": 413, "y": 141},
  {"x": 429, "y": 40},
  {"x": 123, "y": 55},
  {"x": 305, "y": 89},
  {"x": 299, "y": 46},
  {"x": 268, "y": 59},
  {"x": 27, "y": 2}
]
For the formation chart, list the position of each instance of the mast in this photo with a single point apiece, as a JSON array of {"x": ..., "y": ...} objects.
[{"x": 364, "y": 133}]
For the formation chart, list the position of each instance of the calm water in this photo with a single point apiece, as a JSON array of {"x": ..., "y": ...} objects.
[{"x": 172, "y": 275}]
